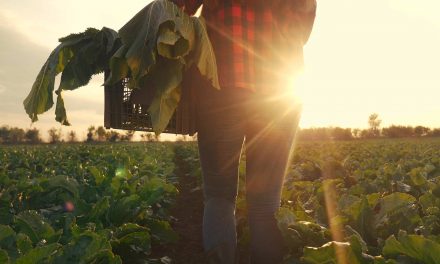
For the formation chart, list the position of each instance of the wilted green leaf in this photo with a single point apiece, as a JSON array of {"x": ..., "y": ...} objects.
[
  {"x": 162, "y": 109},
  {"x": 60, "y": 110},
  {"x": 79, "y": 56},
  {"x": 140, "y": 35},
  {"x": 170, "y": 43},
  {"x": 203, "y": 55}
]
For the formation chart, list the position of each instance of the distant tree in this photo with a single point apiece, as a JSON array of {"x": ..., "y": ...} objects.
[
  {"x": 33, "y": 136},
  {"x": 435, "y": 132},
  {"x": 338, "y": 133},
  {"x": 374, "y": 124},
  {"x": 398, "y": 131},
  {"x": 4, "y": 134},
  {"x": 72, "y": 136},
  {"x": 16, "y": 135},
  {"x": 112, "y": 136},
  {"x": 100, "y": 133},
  {"x": 320, "y": 133},
  {"x": 421, "y": 131},
  {"x": 54, "y": 135},
  {"x": 90, "y": 133}
]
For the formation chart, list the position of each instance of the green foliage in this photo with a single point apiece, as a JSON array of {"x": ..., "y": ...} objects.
[
  {"x": 333, "y": 253},
  {"x": 122, "y": 194},
  {"x": 418, "y": 248},
  {"x": 374, "y": 189},
  {"x": 158, "y": 45},
  {"x": 105, "y": 224},
  {"x": 154, "y": 49},
  {"x": 34, "y": 226},
  {"x": 78, "y": 57},
  {"x": 38, "y": 255}
]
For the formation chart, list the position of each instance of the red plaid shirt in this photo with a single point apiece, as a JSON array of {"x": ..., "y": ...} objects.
[{"x": 257, "y": 46}]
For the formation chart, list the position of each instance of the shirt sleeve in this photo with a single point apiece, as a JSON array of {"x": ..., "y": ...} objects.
[
  {"x": 308, "y": 18},
  {"x": 190, "y": 6},
  {"x": 303, "y": 12}
]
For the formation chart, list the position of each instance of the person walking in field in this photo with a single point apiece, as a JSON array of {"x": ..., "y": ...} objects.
[{"x": 259, "y": 49}]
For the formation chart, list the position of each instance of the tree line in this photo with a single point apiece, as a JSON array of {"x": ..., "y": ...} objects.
[
  {"x": 15, "y": 135},
  {"x": 373, "y": 131}
]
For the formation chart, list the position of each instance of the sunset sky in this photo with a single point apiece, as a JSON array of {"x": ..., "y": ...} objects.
[{"x": 363, "y": 56}]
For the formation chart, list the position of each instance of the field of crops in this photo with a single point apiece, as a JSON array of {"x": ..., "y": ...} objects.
[
  {"x": 85, "y": 203},
  {"x": 343, "y": 202}
]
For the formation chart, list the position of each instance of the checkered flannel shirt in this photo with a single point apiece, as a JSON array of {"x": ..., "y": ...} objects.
[{"x": 257, "y": 46}]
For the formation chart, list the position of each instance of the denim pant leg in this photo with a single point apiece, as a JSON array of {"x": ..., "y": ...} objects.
[
  {"x": 269, "y": 145},
  {"x": 220, "y": 139}
]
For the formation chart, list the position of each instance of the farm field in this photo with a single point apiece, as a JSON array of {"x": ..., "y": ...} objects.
[{"x": 347, "y": 202}]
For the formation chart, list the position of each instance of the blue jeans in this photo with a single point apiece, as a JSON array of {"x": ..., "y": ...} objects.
[{"x": 228, "y": 120}]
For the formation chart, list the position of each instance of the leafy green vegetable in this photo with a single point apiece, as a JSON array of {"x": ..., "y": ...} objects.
[
  {"x": 154, "y": 49},
  {"x": 162, "y": 231},
  {"x": 158, "y": 24},
  {"x": 124, "y": 210},
  {"x": 203, "y": 54},
  {"x": 34, "y": 226},
  {"x": 24, "y": 243},
  {"x": 78, "y": 57},
  {"x": 7, "y": 236},
  {"x": 130, "y": 238},
  {"x": 37, "y": 255},
  {"x": 159, "y": 44},
  {"x": 4, "y": 258},
  {"x": 43, "y": 229},
  {"x": 419, "y": 248},
  {"x": 85, "y": 248},
  {"x": 332, "y": 253}
]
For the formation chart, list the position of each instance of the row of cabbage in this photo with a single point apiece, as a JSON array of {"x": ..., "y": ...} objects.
[
  {"x": 86, "y": 203},
  {"x": 354, "y": 202}
]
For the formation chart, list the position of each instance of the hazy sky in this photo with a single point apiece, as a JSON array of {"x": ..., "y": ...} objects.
[{"x": 364, "y": 56}]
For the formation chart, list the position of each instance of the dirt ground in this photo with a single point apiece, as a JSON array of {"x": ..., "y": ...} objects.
[{"x": 187, "y": 217}]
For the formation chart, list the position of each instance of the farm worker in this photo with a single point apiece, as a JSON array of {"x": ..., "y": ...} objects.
[{"x": 259, "y": 49}]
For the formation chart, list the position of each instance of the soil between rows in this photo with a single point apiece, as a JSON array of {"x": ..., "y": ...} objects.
[{"x": 187, "y": 218}]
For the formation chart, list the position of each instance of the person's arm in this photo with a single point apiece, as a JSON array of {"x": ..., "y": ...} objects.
[{"x": 189, "y": 6}]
